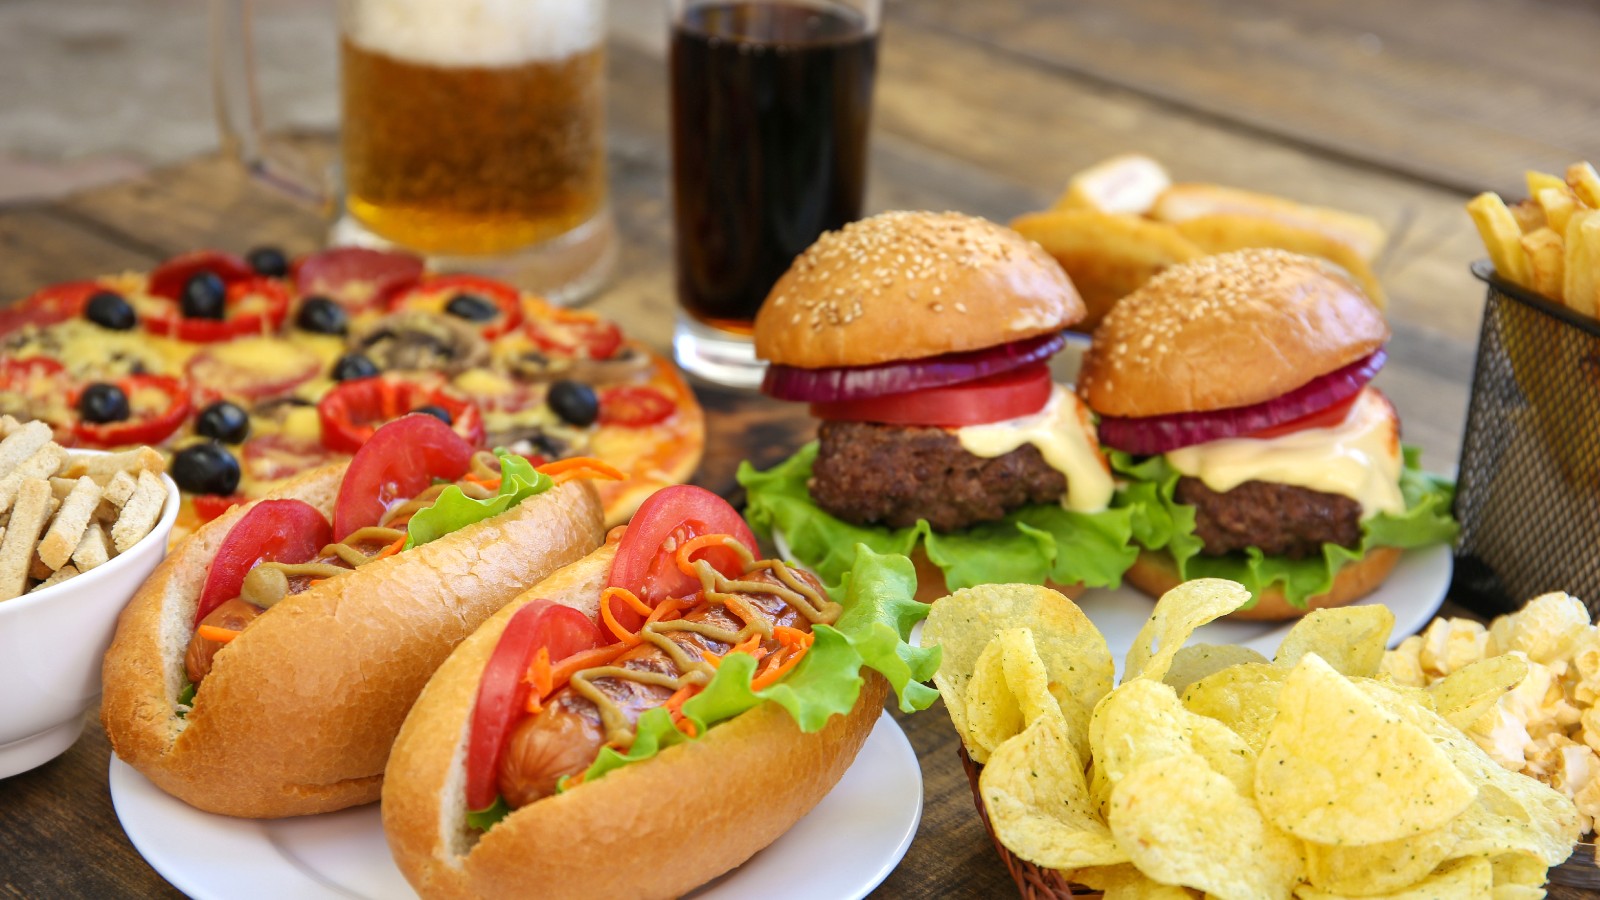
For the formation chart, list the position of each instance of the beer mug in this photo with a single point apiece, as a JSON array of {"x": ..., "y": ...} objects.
[
  {"x": 472, "y": 133},
  {"x": 771, "y": 101}
]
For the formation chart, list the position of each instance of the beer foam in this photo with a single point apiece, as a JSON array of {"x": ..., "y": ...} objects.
[{"x": 492, "y": 33}]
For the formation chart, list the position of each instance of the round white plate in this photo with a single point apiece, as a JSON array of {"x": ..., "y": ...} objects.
[{"x": 862, "y": 829}]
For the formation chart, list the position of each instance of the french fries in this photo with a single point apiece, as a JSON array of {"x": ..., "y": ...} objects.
[
  {"x": 63, "y": 514},
  {"x": 1122, "y": 220},
  {"x": 1548, "y": 243}
]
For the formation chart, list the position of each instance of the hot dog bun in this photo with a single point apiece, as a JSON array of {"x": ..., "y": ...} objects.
[
  {"x": 655, "y": 829},
  {"x": 298, "y": 712}
]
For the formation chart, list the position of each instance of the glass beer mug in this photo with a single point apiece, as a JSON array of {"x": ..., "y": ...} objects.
[{"x": 472, "y": 132}]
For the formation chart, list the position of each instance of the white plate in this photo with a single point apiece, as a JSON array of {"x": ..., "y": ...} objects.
[
  {"x": 862, "y": 829},
  {"x": 1414, "y": 591}
]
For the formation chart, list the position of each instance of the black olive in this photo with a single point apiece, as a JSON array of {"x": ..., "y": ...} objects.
[
  {"x": 206, "y": 468},
  {"x": 353, "y": 365},
  {"x": 109, "y": 309},
  {"x": 100, "y": 403},
  {"x": 268, "y": 261},
  {"x": 320, "y": 315},
  {"x": 472, "y": 308},
  {"x": 223, "y": 421},
  {"x": 204, "y": 297},
  {"x": 574, "y": 401},
  {"x": 438, "y": 412}
]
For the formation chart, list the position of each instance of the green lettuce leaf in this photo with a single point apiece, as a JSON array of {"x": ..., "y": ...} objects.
[
  {"x": 454, "y": 510},
  {"x": 1029, "y": 545},
  {"x": 878, "y": 614},
  {"x": 1160, "y": 523}
]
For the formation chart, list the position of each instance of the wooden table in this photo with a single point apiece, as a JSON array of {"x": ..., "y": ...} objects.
[{"x": 987, "y": 108}]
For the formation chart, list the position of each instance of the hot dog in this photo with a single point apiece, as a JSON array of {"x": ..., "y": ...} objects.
[
  {"x": 592, "y": 737},
  {"x": 265, "y": 667}
]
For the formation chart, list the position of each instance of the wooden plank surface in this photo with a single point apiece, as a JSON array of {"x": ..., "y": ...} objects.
[{"x": 988, "y": 108}]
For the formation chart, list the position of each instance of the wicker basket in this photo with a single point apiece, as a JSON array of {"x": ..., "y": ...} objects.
[{"x": 1033, "y": 882}]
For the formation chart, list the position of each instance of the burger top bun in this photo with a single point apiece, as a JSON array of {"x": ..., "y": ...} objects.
[
  {"x": 1224, "y": 331},
  {"x": 906, "y": 285}
]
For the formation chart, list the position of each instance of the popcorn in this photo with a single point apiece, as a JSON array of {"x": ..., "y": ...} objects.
[{"x": 1548, "y": 725}]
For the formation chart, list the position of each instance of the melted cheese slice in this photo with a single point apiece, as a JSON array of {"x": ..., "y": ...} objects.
[
  {"x": 1062, "y": 434},
  {"x": 1359, "y": 458}
]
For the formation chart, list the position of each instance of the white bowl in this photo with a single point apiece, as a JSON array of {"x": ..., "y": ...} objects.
[{"x": 52, "y": 643}]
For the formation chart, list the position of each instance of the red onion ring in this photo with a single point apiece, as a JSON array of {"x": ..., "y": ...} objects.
[
  {"x": 1149, "y": 435},
  {"x": 862, "y": 382}
]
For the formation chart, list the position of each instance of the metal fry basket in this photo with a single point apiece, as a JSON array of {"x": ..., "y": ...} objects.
[{"x": 1528, "y": 489}]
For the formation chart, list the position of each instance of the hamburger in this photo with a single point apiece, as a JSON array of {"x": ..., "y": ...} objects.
[
  {"x": 922, "y": 342},
  {"x": 1234, "y": 393}
]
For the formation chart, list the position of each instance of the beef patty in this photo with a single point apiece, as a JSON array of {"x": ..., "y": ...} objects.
[
  {"x": 1281, "y": 519},
  {"x": 867, "y": 473}
]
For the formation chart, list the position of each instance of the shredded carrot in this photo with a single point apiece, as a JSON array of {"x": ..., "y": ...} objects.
[
  {"x": 217, "y": 633},
  {"x": 488, "y": 484},
  {"x": 794, "y": 643},
  {"x": 674, "y": 707},
  {"x": 609, "y": 619},
  {"x": 539, "y": 677},
  {"x": 628, "y": 597},
  {"x": 770, "y": 677},
  {"x": 669, "y": 609},
  {"x": 563, "y": 470},
  {"x": 684, "y": 556},
  {"x": 562, "y": 672},
  {"x": 392, "y": 549}
]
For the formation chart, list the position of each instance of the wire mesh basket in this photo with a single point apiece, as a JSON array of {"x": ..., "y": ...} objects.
[{"x": 1528, "y": 490}]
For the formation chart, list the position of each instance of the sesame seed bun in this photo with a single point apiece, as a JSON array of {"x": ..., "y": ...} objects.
[
  {"x": 1225, "y": 331},
  {"x": 906, "y": 285}
]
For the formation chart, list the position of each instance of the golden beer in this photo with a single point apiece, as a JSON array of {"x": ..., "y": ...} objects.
[{"x": 473, "y": 151}]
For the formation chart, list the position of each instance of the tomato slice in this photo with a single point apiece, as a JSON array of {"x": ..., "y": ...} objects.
[
  {"x": 995, "y": 398},
  {"x": 635, "y": 406},
  {"x": 47, "y": 306},
  {"x": 503, "y": 692},
  {"x": 147, "y": 425},
  {"x": 167, "y": 280},
  {"x": 252, "y": 368},
  {"x": 1322, "y": 418},
  {"x": 351, "y": 412},
  {"x": 357, "y": 277},
  {"x": 288, "y": 531},
  {"x": 679, "y": 513},
  {"x": 400, "y": 460},
  {"x": 563, "y": 332},
  {"x": 433, "y": 294},
  {"x": 253, "y": 306}
]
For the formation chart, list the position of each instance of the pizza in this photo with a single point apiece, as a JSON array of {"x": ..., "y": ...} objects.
[{"x": 248, "y": 371}]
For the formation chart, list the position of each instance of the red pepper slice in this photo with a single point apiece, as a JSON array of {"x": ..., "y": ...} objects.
[
  {"x": 398, "y": 462},
  {"x": 503, "y": 691},
  {"x": 167, "y": 280},
  {"x": 634, "y": 406},
  {"x": 168, "y": 319},
  {"x": 287, "y": 531},
  {"x": 679, "y": 513},
  {"x": 210, "y": 506},
  {"x": 143, "y": 427},
  {"x": 433, "y": 294},
  {"x": 564, "y": 332},
  {"x": 351, "y": 412},
  {"x": 47, "y": 306}
]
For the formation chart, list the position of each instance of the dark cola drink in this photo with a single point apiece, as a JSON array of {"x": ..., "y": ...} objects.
[{"x": 770, "y": 107}]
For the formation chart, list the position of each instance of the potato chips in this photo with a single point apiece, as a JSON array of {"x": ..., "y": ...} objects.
[{"x": 1212, "y": 772}]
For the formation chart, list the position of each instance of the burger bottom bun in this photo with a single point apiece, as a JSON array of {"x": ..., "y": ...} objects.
[
  {"x": 931, "y": 585},
  {"x": 1155, "y": 574}
]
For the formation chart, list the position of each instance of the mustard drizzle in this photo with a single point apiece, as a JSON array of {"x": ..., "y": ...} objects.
[{"x": 717, "y": 590}]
